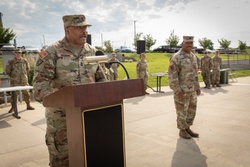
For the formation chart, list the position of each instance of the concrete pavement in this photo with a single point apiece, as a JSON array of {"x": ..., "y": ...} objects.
[{"x": 151, "y": 136}]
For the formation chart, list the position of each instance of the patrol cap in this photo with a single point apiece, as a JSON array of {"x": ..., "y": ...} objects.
[
  {"x": 18, "y": 50},
  {"x": 143, "y": 54},
  {"x": 75, "y": 20},
  {"x": 188, "y": 38}
]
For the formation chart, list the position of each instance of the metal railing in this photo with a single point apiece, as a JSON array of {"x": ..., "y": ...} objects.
[{"x": 236, "y": 61}]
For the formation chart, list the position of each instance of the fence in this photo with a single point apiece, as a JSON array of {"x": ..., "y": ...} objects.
[{"x": 236, "y": 61}]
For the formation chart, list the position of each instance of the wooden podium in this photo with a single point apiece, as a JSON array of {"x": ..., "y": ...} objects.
[{"x": 95, "y": 121}]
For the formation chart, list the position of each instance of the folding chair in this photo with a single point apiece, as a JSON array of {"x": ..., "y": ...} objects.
[{"x": 232, "y": 75}]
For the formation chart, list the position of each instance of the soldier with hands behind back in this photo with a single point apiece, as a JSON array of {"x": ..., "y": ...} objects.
[{"x": 18, "y": 70}]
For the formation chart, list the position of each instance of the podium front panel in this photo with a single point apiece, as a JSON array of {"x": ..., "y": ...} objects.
[{"x": 103, "y": 130}]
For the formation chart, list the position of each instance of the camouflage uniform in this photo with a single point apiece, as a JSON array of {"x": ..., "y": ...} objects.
[
  {"x": 56, "y": 68},
  {"x": 216, "y": 70},
  {"x": 142, "y": 72},
  {"x": 198, "y": 62},
  {"x": 183, "y": 77},
  {"x": 113, "y": 75},
  {"x": 18, "y": 70},
  {"x": 206, "y": 67}
]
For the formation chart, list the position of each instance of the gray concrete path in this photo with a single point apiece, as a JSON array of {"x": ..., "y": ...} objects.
[{"x": 223, "y": 121}]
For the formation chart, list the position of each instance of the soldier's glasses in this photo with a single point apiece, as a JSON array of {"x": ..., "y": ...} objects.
[{"x": 80, "y": 28}]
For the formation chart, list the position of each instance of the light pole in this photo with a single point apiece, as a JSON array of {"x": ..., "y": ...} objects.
[
  {"x": 102, "y": 40},
  {"x": 1, "y": 22},
  {"x": 135, "y": 43},
  {"x": 134, "y": 28},
  {"x": 43, "y": 40}
]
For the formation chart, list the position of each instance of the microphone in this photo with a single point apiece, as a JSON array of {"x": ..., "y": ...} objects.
[
  {"x": 95, "y": 59},
  {"x": 107, "y": 65},
  {"x": 99, "y": 58}
]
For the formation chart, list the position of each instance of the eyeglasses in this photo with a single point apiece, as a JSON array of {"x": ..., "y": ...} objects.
[
  {"x": 79, "y": 28},
  {"x": 18, "y": 52}
]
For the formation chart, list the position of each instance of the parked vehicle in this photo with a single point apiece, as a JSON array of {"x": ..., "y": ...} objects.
[
  {"x": 234, "y": 51},
  {"x": 30, "y": 49},
  {"x": 229, "y": 51},
  {"x": 210, "y": 51},
  {"x": 166, "y": 48},
  {"x": 127, "y": 50},
  {"x": 223, "y": 51},
  {"x": 199, "y": 50}
]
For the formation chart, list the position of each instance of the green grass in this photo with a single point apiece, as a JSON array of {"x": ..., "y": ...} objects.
[{"x": 159, "y": 62}]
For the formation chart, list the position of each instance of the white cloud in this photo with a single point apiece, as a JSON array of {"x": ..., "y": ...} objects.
[{"x": 114, "y": 20}]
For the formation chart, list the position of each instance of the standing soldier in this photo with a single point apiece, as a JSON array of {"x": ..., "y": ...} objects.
[
  {"x": 18, "y": 68},
  {"x": 113, "y": 70},
  {"x": 216, "y": 69},
  {"x": 198, "y": 60},
  {"x": 206, "y": 67},
  {"x": 58, "y": 66},
  {"x": 142, "y": 70},
  {"x": 183, "y": 80}
]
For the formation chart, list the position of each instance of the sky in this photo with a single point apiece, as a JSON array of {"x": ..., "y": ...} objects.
[{"x": 39, "y": 22}]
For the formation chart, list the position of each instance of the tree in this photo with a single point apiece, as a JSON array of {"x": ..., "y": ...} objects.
[
  {"x": 149, "y": 41},
  {"x": 224, "y": 43},
  {"x": 108, "y": 46},
  {"x": 136, "y": 38},
  {"x": 242, "y": 46},
  {"x": 206, "y": 43},
  {"x": 6, "y": 35},
  {"x": 173, "y": 40},
  {"x": 100, "y": 48}
]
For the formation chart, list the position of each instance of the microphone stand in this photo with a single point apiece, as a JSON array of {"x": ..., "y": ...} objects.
[
  {"x": 109, "y": 66},
  {"x": 103, "y": 73}
]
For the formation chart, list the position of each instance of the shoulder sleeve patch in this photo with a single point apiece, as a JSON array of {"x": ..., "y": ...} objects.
[
  {"x": 39, "y": 62},
  {"x": 43, "y": 54},
  {"x": 171, "y": 63}
]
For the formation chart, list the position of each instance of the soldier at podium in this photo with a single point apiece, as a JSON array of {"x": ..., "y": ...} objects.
[{"x": 60, "y": 65}]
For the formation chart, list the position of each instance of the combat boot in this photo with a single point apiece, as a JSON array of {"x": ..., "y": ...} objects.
[
  {"x": 29, "y": 107},
  {"x": 191, "y": 133},
  {"x": 208, "y": 86},
  {"x": 183, "y": 133},
  {"x": 218, "y": 85},
  {"x": 11, "y": 109}
]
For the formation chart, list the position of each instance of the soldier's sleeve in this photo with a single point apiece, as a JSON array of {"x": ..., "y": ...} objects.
[
  {"x": 118, "y": 65},
  {"x": 8, "y": 68},
  {"x": 211, "y": 64},
  {"x": 99, "y": 76},
  {"x": 27, "y": 66},
  {"x": 44, "y": 74},
  {"x": 196, "y": 82},
  {"x": 173, "y": 77},
  {"x": 137, "y": 68}
]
